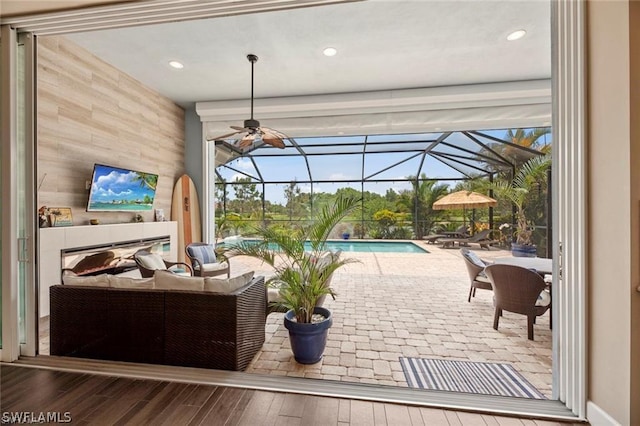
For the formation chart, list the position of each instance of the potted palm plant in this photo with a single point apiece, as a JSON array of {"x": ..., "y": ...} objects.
[
  {"x": 517, "y": 191},
  {"x": 302, "y": 268}
]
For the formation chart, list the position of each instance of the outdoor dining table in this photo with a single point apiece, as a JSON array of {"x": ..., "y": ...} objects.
[{"x": 540, "y": 264}]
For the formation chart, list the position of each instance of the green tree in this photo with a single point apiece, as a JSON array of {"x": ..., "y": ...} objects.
[
  {"x": 530, "y": 175},
  {"x": 531, "y": 138},
  {"x": 292, "y": 195},
  {"x": 419, "y": 202},
  {"x": 391, "y": 195},
  {"x": 221, "y": 193},
  {"x": 246, "y": 194},
  {"x": 385, "y": 221}
]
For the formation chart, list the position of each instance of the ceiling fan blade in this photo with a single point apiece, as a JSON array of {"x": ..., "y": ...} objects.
[
  {"x": 247, "y": 141},
  {"x": 241, "y": 129},
  {"x": 272, "y": 140},
  {"x": 223, "y": 136},
  {"x": 273, "y": 137}
]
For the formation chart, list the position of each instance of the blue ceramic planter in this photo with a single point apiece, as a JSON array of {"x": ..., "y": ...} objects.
[{"x": 308, "y": 340}]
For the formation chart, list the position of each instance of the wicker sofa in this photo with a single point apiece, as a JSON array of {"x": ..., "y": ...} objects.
[{"x": 172, "y": 327}]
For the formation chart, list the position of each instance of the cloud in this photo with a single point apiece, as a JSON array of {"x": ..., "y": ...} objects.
[
  {"x": 114, "y": 184},
  {"x": 341, "y": 176},
  {"x": 109, "y": 193},
  {"x": 236, "y": 177},
  {"x": 115, "y": 178}
]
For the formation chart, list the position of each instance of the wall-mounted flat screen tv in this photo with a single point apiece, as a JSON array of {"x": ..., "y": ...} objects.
[{"x": 114, "y": 189}]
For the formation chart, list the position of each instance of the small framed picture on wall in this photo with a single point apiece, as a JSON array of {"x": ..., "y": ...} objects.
[
  {"x": 160, "y": 215},
  {"x": 60, "y": 216}
]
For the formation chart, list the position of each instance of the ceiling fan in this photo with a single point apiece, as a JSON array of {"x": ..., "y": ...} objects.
[{"x": 252, "y": 132}]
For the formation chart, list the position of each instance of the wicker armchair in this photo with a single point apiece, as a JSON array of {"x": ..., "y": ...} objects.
[
  {"x": 205, "y": 261},
  {"x": 518, "y": 290},
  {"x": 148, "y": 263},
  {"x": 475, "y": 268}
]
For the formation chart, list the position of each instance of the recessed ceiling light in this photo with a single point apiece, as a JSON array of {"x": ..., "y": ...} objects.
[
  {"x": 516, "y": 35},
  {"x": 176, "y": 64},
  {"x": 330, "y": 51}
]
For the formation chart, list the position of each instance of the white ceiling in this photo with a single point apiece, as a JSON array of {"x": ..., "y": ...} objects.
[{"x": 382, "y": 45}]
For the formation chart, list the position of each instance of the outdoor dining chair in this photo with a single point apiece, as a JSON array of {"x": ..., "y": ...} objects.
[
  {"x": 475, "y": 268},
  {"x": 519, "y": 290}
]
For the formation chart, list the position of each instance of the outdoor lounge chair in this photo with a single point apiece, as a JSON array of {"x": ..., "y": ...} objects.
[
  {"x": 461, "y": 232},
  {"x": 482, "y": 238},
  {"x": 148, "y": 263},
  {"x": 519, "y": 290},
  {"x": 475, "y": 268}
]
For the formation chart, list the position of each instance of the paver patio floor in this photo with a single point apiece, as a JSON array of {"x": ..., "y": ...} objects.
[{"x": 403, "y": 304}]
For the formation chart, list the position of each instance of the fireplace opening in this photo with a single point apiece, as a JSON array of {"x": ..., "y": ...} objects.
[{"x": 112, "y": 258}]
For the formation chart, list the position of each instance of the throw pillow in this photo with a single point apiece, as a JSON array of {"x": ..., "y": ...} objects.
[
  {"x": 128, "y": 282},
  {"x": 101, "y": 280},
  {"x": 228, "y": 285},
  {"x": 152, "y": 261},
  {"x": 475, "y": 259},
  {"x": 204, "y": 254},
  {"x": 166, "y": 280}
]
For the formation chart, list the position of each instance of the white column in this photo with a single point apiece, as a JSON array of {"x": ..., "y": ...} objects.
[{"x": 569, "y": 203}]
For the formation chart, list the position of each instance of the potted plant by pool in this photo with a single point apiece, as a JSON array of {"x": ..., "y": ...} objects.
[
  {"x": 302, "y": 268},
  {"x": 344, "y": 231},
  {"x": 517, "y": 191}
]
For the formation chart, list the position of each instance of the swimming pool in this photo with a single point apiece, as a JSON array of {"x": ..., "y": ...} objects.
[
  {"x": 371, "y": 246},
  {"x": 376, "y": 246}
]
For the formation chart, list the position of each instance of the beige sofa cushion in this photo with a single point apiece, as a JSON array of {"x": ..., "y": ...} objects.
[
  {"x": 228, "y": 285},
  {"x": 166, "y": 280},
  {"x": 129, "y": 282},
  {"x": 213, "y": 267},
  {"x": 101, "y": 280}
]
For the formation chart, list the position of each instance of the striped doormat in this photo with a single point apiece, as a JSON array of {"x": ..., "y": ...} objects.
[{"x": 466, "y": 376}]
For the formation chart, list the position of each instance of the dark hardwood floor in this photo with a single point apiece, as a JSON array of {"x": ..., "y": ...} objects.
[{"x": 105, "y": 400}]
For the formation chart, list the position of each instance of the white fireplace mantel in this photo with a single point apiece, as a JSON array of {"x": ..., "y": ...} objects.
[{"x": 53, "y": 240}]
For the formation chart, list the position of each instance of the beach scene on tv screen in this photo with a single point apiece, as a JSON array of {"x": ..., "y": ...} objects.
[{"x": 115, "y": 189}]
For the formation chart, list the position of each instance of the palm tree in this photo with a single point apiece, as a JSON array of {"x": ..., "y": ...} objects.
[
  {"x": 146, "y": 179},
  {"x": 518, "y": 191},
  {"x": 424, "y": 193},
  {"x": 298, "y": 273},
  {"x": 528, "y": 139}
]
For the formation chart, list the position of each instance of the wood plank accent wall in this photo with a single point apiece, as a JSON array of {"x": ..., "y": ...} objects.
[{"x": 90, "y": 112}]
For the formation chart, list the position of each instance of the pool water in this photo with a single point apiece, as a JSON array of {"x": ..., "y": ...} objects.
[
  {"x": 376, "y": 246},
  {"x": 372, "y": 246}
]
